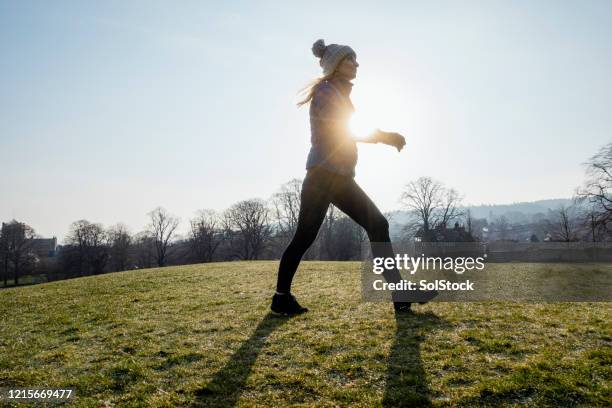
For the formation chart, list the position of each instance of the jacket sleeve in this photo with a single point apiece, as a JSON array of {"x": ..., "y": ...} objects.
[{"x": 373, "y": 137}]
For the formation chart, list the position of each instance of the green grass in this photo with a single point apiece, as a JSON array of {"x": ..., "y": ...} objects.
[{"x": 201, "y": 335}]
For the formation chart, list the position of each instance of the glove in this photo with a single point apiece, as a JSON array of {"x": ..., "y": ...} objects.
[{"x": 392, "y": 139}]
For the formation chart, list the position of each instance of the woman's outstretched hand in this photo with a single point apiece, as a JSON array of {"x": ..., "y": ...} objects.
[{"x": 392, "y": 139}]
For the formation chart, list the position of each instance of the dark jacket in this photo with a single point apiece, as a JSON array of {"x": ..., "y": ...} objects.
[{"x": 333, "y": 146}]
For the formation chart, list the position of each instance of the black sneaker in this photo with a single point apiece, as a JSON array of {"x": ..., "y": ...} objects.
[
  {"x": 402, "y": 307},
  {"x": 286, "y": 304}
]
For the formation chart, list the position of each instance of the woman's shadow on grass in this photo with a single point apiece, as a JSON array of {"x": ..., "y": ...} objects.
[
  {"x": 407, "y": 384},
  {"x": 406, "y": 380},
  {"x": 228, "y": 383}
]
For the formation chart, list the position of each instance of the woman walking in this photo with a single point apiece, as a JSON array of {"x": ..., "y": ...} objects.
[{"x": 331, "y": 171}]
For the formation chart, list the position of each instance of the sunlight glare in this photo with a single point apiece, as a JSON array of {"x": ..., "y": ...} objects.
[
  {"x": 362, "y": 124},
  {"x": 377, "y": 105}
]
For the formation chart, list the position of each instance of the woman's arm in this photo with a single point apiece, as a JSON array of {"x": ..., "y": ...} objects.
[
  {"x": 327, "y": 120},
  {"x": 373, "y": 137},
  {"x": 389, "y": 138}
]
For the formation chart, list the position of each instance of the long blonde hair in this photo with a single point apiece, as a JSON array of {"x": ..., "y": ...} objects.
[{"x": 307, "y": 92}]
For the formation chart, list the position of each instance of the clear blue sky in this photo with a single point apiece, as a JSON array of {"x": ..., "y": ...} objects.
[{"x": 111, "y": 108}]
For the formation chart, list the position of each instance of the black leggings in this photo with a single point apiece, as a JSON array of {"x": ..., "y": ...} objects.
[{"x": 319, "y": 189}]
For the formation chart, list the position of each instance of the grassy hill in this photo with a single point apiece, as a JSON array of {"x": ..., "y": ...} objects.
[{"x": 201, "y": 335}]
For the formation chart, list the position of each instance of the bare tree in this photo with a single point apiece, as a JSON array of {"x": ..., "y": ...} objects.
[
  {"x": 120, "y": 242},
  {"x": 286, "y": 203},
  {"x": 162, "y": 228},
  {"x": 449, "y": 207},
  {"x": 144, "y": 249},
  {"x": 205, "y": 236},
  {"x": 91, "y": 243},
  {"x": 17, "y": 240},
  {"x": 98, "y": 252},
  {"x": 597, "y": 188},
  {"x": 502, "y": 226},
  {"x": 247, "y": 223},
  {"x": 566, "y": 224},
  {"x": 327, "y": 232},
  {"x": 595, "y": 230},
  {"x": 391, "y": 217},
  {"x": 431, "y": 204},
  {"x": 348, "y": 236},
  {"x": 77, "y": 238},
  {"x": 4, "y": 254},
  {"x": 468, "y": 221}
]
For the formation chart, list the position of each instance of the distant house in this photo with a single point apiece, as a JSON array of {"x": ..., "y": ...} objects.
[
  {"x": 442, "y": 234},
  {"x": 44, "y": 247}
]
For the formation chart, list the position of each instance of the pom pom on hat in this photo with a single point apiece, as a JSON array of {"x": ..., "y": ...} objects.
[
  {"x": 330, "y": 55},
  {"x": 318, "y": 48}
]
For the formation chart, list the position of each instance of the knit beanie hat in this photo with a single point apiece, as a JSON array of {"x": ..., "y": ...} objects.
[{"x": 330, "y": 55}]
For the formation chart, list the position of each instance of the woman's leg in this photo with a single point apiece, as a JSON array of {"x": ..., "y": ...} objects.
[
  {"x": 313, "y": 207},
  {"x": 355, "y": 203}
]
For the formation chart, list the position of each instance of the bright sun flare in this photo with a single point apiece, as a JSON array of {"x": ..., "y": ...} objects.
[
  {"x": 377, "y": 106},
  {"x": 362, "y": 124}
]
